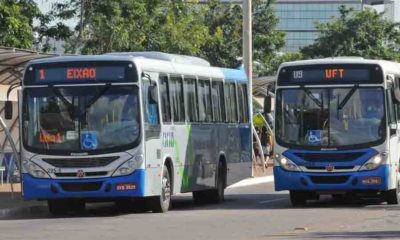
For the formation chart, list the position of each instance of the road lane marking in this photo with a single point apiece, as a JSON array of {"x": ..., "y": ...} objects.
[
  {"x": 253, "y": 181},
  {"x": 273, "y": 200}
]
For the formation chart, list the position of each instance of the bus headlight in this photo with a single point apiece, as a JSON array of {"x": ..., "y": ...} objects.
[
  {"x": 34, "y": 170},
  {"x": 129, "y": 166},
  {"x": 374, "y": 162},
  {"x": 287, "y": 164}
]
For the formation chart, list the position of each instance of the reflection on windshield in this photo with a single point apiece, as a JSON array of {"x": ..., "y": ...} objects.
[
  {"x": 81, "y": 118},
  {"x": 330, "y": 117}
]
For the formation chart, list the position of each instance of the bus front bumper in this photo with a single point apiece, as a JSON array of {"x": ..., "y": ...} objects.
[
  {"x": 376, "y": 180},
  {"x": 110, "y": 187}
]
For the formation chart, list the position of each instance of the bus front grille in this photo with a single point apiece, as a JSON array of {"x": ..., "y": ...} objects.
[
  {"x": 80, "y": 162},
  {"x": 81, "y": 187},
  {"x": 329, "y": 179},
  {"x": 87, "y": 174},
  {"x": 329, "y": 157}
]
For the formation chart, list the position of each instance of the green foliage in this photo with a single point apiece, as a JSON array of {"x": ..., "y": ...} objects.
[
  {"x": 16, "y": 19},
  {"x": 212, "y": 30},
  {"x": 364, "y": 34},
  {"x": 224, "y": 46}
]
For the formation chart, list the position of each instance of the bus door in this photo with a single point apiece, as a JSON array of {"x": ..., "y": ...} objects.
[
  {"x": 152, "y": 132},
  {"x": 394, "y": 128},
  {"x": 233, "y": 142}
]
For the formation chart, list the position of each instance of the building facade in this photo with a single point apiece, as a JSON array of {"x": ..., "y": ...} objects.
[
  {"x": 392, "y": 10},
  {"x": 298, "y": 19}
]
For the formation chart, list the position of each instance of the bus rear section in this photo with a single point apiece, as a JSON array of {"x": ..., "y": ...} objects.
[{"x": 336, "y": 130}]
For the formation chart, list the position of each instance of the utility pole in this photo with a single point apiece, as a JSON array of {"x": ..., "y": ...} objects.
[
  {"x": 247, "y": 43},
  {"x": 248, "y": 60}
]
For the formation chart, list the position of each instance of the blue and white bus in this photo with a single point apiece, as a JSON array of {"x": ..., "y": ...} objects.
[
  {"x": 338, "y": 129},
  {"x": 133, "y": 128}
]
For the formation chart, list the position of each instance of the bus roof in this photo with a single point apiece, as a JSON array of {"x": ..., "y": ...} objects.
[
  {"x": 155, "y": 61},
  {"x": 388, "y": 66}
]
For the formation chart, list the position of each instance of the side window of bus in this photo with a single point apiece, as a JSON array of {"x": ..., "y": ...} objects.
[
  {"x": 397, "y": 85},
  {"x": 165, "y": 103},
  {"x": 176, "y": 92},
  {"x": 242, "y": 97},
  {"x": 391, "y": 110},
  {"x": 204, "y": 96},
  {"x": 216, "y": 101},
  {"x": 190, "y": 99},
  {"x": 230, "y": 102},
  {"x": 150, "y": 108}
]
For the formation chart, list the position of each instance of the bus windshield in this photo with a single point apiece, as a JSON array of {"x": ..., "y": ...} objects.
[
  {"x": 330, "y": 117},
  {"x": 80, "y": 119}
]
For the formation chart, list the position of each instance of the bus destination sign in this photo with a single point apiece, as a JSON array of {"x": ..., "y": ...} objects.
[
  {"x": 322, "y": 74},
  {"x": 79, "y": 74}
]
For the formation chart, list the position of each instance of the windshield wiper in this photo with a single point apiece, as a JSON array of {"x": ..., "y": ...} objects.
[
  {"x": 95, "y": 98},
  {"x": 347, "y": 97},
  {"x": 309, "y": 94},
  {"x": 70, "y": 106}
]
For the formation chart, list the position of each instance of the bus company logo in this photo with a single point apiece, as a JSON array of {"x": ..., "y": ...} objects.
[
  {"x": 329, "y": 168},
  {"x": 80, "y": 174}
]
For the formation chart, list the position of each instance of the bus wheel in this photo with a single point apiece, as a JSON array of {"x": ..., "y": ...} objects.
[
  {"x": 392, "y": 196},
  {"x": 298, "y": 198},
  {"x": 58, "y": 207},
  {"x": 161, "y": 204},
  {"x": 217, "y": 195}
]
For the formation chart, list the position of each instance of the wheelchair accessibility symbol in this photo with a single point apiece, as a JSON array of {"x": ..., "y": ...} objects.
[
  {"x": 89, "y": 140},
  {"x": 314, "y": 136}
]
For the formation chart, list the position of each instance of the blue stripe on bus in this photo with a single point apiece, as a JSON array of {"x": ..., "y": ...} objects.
[
  {"x": 234, "y": 74},
  {"x": 36, "y": 188}
]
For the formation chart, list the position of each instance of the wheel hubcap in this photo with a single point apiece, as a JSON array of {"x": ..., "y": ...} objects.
[{"x": 166, "y": 193}]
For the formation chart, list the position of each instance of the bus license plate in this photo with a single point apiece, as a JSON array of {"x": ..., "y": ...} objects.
[
  {"x": 371, "y": 180},
  {"x": 125, "y": 186}
]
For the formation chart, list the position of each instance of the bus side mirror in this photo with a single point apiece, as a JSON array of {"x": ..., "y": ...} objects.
[
  {"x": 153, "y": 94},
  {"x": 8, "y": 110},
  {"x": 267, "y": 104}
]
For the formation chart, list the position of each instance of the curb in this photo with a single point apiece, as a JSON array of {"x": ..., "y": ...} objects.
[
  {"x": 21, "y": 211},
  {"x": 253, "y": 181}
]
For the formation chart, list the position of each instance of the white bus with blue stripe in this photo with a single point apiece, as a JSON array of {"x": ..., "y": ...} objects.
[
  {"x": 133, "y": 128},
  {"x": 337, "y": 129}
]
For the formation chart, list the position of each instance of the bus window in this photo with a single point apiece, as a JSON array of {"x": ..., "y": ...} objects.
[
  {"x": 222, "y": 100},
  {"x": 230, "y": 100},
  {"x": 205, "y": 111},
  {"x": 165, "y": 103},
  {"x": 176, "y": 91},
  {"x": 190, "y": 96},
  {"x": 242, "y": 97},
  {"x": 217, "y": 104},
  {"x": 150, "y": 110}
]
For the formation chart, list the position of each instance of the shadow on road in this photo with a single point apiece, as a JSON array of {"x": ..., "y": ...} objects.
[
  {"x": 233, "y": 202},
  {"x": 348, "y": 235}
]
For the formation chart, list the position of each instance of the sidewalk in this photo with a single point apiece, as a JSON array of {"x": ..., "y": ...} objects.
[{"x": 13, "y": 204}]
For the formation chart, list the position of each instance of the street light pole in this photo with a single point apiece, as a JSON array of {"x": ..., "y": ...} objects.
[
  {"x": 247, "y": 42},
  {"x": 248, "y": 58}
]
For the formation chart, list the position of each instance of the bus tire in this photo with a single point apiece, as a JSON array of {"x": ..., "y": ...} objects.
[
  {"x": 161, "y": 204},
  {"x": 298, "y": 198},
  {"x": 217, "y": 195},
  {"x": 392, "y": 196},
  {"x": 58, "y": 207}
]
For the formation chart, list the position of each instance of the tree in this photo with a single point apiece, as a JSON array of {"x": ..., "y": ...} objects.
[
  {"x": 16, "y": 20},
  {"x": 366, "y": 34},
  {"x": 224, "y": 48},
  {"x": 112, "y": 25}
]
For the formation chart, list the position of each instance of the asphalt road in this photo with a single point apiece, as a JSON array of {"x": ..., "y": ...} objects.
[{"x": 251, "y": 212}]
